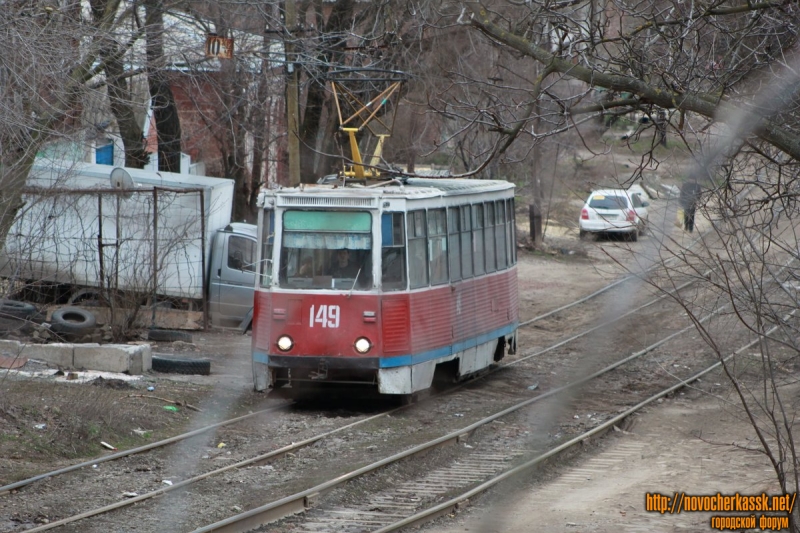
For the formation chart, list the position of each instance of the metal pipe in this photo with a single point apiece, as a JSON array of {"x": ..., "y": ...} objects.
[
  {"x": 204, "y": 274},
  {"x": 155, "y": 257},
  {"x": 100, "y": 239}
]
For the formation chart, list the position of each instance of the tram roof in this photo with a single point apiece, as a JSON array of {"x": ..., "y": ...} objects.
[{"x": 410, "y": 188}]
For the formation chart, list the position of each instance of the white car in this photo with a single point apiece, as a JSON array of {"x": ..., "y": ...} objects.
[{"x": 614, "y": 211}]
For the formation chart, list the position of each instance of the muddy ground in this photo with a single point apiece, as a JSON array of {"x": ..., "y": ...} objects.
[{"x": 49, "y": 421}]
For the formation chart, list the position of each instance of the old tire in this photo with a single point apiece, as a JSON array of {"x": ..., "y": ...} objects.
[
  {"x": 16, "y": 309},
  {"x": 72, "y": 321},
  {"x": 168, "y": 335},
  {"x": 174, "y": 365}
]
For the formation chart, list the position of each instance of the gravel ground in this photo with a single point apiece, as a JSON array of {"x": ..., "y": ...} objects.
[{"x": 77, "y": 417}]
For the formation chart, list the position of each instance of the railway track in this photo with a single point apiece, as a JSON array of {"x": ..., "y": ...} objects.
[
  {"x": 483, "y": 459},
  {"x": 500, "y": 400}
]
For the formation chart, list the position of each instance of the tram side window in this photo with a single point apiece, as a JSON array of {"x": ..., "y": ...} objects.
[
  {"x": 454, "y": 242},
  {"x": 417, "y": 249},
  {"x": 267, "y": 239},
  {"x": 466, "y": 241},
  {"x": 393, "y": 252},
  {"x": 491, "y": 264},
  {"x": 437, "y": 247},
  {"x": 511, "y": 241},
  {"x": 500, "y": 233},
  {"x": 477, "y": 238}
]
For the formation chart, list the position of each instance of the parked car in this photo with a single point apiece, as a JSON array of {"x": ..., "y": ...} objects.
[{"x": 614, "y": 211}]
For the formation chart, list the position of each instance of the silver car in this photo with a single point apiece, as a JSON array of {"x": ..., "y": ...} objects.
[{"x": 614, "y": 211}]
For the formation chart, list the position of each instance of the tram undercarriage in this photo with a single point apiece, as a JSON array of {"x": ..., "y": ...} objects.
[{"x": 275, "y": 372}]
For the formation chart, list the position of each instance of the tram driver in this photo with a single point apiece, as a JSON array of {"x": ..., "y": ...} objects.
[{"x": 344, "y": 266}]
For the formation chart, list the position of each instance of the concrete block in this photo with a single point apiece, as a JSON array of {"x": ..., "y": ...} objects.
[
  {"x": 113, "y": 358},
  {"x": 11, "y": 348},
  {"x": 57, "y": 354},
  {"x": 105, "y": 358},
  {"x": 141, "y": 359}
]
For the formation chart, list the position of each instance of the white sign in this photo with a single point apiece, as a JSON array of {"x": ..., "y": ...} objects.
[{"x": 327, "y": 315}]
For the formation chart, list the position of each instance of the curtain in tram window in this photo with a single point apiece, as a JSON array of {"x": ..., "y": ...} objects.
[{"x": 329, "y": 241}]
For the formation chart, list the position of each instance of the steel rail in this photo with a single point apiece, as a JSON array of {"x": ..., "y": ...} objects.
[
  {"x": 311, "y": 440},
  {"x": 147, "y": 447},
  {"x": 300, "y": 501},
  {"x": 458, "y": 501},
  {"x": 22, "y": 483},
  {"x": 6, "y": 489},
  {"x": 253, "y": 460}
]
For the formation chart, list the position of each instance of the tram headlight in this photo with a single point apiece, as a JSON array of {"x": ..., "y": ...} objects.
[
  {"x": 362, "y": 345},
  {"x": 285, "y": 343}
]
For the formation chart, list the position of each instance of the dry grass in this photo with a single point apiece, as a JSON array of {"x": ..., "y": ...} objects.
[{"x": 40, "y": 422}]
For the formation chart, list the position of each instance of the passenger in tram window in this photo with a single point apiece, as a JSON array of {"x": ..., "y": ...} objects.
[
  {"x": 343, "y": 265},
  {"x": 306, "y": 269}
]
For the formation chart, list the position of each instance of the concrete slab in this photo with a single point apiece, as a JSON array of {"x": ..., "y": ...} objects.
[
  {"x": 10, "y": 348},
  {"x": 124, "y": 358},
  {"x": 113, "y": 358},
  {"x": 57, "y": 353}
]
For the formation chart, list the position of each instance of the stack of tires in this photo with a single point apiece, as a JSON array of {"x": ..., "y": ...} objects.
[{"x": 176, "y": 365}]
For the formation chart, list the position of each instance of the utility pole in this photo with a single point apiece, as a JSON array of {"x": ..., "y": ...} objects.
[{"x": 292, "y": 110}]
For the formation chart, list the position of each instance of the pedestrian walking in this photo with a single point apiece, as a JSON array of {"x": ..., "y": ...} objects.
[{"x": 690, "y": 194}]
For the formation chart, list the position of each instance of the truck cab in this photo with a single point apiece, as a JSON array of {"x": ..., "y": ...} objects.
[{"x": 232, "y": 274}]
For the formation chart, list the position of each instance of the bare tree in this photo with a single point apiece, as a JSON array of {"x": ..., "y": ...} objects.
[
  {"x": 168, "y": 124},
  {"x": 43, "y": 76},
  {"x": 61, "y": 62},
  {"x": 718, "y": 79},
  {"x": 120, "y": 81}
]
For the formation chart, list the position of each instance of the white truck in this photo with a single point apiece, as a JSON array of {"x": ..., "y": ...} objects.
[{"x": 159, "y": 239}]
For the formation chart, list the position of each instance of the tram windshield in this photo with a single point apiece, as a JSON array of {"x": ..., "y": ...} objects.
[{"x": 326, "y": 250}]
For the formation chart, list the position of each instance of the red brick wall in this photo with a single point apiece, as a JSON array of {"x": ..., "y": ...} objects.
[{"x": 199, "y": 109}]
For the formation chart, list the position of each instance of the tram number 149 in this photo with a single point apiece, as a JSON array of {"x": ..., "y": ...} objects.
[{"x": 326, "y": 315}]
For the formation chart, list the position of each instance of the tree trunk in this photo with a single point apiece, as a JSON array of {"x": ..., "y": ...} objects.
[
  {"x": 130, "y": 130},
  {"x": 338, "y": 23},
  {"x": 165, "y": 111}
]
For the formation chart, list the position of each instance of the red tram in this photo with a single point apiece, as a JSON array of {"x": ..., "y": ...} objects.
[{"x": 385, "y": 284}]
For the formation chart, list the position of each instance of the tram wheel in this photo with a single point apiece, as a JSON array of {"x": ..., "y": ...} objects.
[{"x": 407, "y": 399}]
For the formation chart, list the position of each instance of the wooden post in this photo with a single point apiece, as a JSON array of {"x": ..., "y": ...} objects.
[
  {"x": 292, "y": 111},
  {"x": 535, "y": 218}
]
